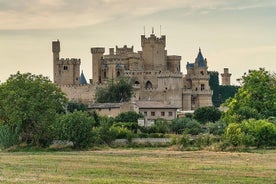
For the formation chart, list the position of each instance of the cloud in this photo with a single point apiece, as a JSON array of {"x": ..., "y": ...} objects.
[{"x": 52, "y": 14}]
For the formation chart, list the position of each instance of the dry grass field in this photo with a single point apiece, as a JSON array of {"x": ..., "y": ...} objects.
[{"x": 137, "y": 166}]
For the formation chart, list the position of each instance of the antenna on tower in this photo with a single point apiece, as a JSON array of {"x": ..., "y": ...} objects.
[
  {"x": 152, "y": 30},
  {"x": 144, "y": 30}
]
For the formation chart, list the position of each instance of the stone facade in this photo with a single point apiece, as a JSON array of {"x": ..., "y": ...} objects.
[{"x": 155, "y": 75}]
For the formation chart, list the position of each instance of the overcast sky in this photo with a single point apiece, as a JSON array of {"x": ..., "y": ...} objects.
[{"x": 238, "y": 34}]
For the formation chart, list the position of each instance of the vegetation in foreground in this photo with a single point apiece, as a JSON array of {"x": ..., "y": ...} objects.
[
  {"x": 32, "y": 112},
  {"x": 137, "y": 166}
]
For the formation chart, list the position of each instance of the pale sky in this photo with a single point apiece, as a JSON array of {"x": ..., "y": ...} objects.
[{"x": 238, "y": 34}]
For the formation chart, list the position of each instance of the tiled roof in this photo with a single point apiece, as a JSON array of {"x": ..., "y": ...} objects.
[
  {"x": 104, "y": 105},
  {"x": 200, "y": 59},
  {"x": 82, "y": 79}
]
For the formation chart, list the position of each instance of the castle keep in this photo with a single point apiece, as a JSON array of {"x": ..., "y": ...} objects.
[{"x": 155, "y": 75}]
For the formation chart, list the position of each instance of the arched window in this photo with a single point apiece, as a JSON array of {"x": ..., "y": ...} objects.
[
  {"x": 136, "y": 82},
  {"x": 148, "y": 85},
  {"x": 118, "y": 73}
]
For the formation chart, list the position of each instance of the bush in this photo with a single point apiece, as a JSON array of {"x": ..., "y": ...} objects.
[
  {"x": 160, "y": 126},
  {"x": 188, "y": 125},
  {"x": 207, "y": 114},
  {"x": 75, "y": 127},
  {"x": 251, "y": 133},
  {"x": 121, "y": 133},
  {"x": 8, "y": 137}
]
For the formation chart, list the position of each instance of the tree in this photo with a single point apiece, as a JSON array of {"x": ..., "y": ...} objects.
[
  {"x": 186, "y": 125},
  {"x": 72, "y": 106},
  {"x": 207, "y": 114},
  {"x": 255, "y": 99},
  {"x": 214, "y": 85},
  {"x": 29, "y": 105},
  {"x": 75, "y": 127},
  {"x": 120, "y": 90},
  {"x": 129, "y": 116}
]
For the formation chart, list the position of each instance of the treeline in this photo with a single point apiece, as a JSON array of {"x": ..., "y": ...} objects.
[{"x": 34, "y": 112}]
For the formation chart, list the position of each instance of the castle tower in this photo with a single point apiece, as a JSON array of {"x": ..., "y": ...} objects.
[
  {"x": 56, "y": 50},
  {"x": 226, "y": 77},
  {"x": 66, "y": 71},
  {"x": 198, "y": 81},
  {"x": 153, "y": 52},
  {"x": 97, "y": 55}
]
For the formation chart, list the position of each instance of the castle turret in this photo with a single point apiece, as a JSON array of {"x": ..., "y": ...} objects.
[
  {"x": 198, "y": 81},
  {"x": 153, "y": 52},
  {"x": 97, "y": 55},
  {"x": 226, "y": 77},
  {"x": 55, "y": 50},
  {"x": 66, "y": 71}
]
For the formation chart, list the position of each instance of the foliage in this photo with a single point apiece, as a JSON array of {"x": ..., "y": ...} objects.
[
  {"x": 207, "y": 114},
  {"x": 8, "y": 137},
  {"x": 220, "y": 93},
  {"x": 159, "y": 126},
  {"x": 72, "y": 106},
  {"x": 29, "y": 103},
  {"x": 132, "y": 126},
  {"x": 129, "y": 116},
  {"x": 120, "y": 90},
  {"x": 75, "y": 127},
  {"x": 102, "y": 133},
  {"x": 216, "y": 128},
  {"x": 188, "y": 125},
  {"x": 251, "y": 132},
  {"x": 214, "y": 85},
  {"x": 255, "y": 99},
  {"x": 121, "y": 132},
  {"x": 226, "y": 92}
]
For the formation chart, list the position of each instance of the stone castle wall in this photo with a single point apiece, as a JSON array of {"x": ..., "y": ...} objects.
[{"x": 79, "y": 93}]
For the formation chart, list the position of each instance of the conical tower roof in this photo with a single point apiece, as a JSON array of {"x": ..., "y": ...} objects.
[
  {"x": 82, "y": 79},
  {"x": 200, "y": 59}
]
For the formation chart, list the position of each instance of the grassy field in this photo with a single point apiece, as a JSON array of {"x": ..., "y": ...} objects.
[{"x": 137, "y": 166}]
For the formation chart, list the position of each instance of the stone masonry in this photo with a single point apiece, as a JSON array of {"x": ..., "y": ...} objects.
[{"x": 155, "y": 75}]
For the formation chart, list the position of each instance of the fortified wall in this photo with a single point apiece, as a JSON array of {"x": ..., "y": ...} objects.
[{"x": 155, "y": 75}]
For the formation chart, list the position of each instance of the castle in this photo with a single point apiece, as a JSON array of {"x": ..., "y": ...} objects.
[{"x": 155, "y": 75}]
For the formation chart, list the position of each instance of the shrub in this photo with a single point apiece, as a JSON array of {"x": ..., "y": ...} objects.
[
  {"x": 8, "y": 137},
  {"x": 75, "y": 127},
  {"x": 251, "y": 133},
  {"x": 207, "y": 114},
  {"x": 188, "y": 125},
  {"x": 160, "y": 126}
]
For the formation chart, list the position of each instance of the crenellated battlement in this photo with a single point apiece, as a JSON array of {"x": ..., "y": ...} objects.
[
  {"x": 124, "y": 50},
  {"x": 96, "y": 50},
  {"x": 153, "y": 39},
  {"x": 69, "y": 61}
]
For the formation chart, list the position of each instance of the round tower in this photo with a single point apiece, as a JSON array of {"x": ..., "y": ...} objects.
[
  {"x": 226, "y": 77},
  {"x": 97, "y": 55},
  {"x": 56, "y": 51}
]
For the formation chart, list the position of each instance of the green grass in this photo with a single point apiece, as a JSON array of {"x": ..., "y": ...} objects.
[{"x": 137, "y": 166}]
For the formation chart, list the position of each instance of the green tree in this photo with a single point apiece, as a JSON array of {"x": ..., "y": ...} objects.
[
  {"x": 75, "y": 127},
  {"x": 207, "y": 114},
  {"x": 255, "y": 99},
  {"x": 29, "y": 105},
  {"x": 214, "y": 85},
  {"x": 72, "y": 106},
  {"x": 129, "y": 116},
  {"x": 186, "y": 125},
  {"x": 120, "y": 90},
  {"x": 251, "y": 133}
]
